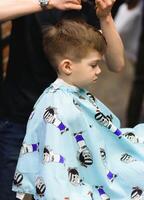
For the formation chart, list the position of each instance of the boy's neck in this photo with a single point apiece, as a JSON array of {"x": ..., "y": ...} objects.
[
  {"x": 66, "y": 80},
  {"x": 69, "y": 82}
]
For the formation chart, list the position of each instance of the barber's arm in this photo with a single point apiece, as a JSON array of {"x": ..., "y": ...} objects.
[
  {"x": 10, "y": 9},
  {"x": 115, "y": 51}
]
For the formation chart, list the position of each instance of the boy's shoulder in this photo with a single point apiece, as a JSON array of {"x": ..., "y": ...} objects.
[
  {"x": 64, "y": 100},
  {"x": 53, "y": 95}
]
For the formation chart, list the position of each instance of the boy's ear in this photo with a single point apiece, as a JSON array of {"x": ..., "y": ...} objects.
[{"x": 66, "y": 66}]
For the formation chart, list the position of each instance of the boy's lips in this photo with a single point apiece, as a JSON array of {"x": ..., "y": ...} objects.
[{"x": 95, "y": 78}]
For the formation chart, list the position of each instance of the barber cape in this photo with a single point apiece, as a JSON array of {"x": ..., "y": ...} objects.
[{"x": 75, "y": 150}]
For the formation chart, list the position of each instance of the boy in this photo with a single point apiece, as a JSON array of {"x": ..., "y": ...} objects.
[{"x": 73, "y": 148}]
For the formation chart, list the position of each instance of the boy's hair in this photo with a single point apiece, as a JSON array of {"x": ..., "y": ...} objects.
[{"x": 72, "y": 40}]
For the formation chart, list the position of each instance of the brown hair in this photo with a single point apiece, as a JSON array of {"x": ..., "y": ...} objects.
[{"x": 71, "y": 40}]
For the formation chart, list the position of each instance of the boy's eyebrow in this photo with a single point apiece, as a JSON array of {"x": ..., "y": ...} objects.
[{"x": 96, "y": 61}]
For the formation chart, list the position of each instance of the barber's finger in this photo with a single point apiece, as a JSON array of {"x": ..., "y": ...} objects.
[
  {"x": 79, "y": 1},
  {"x": 73, "y": 6},
  {"x": 104, "y": 3},
  {"x": 73, "y": 1},
  {"x": 100, "y": 3},
  {"x": 113, "y": 1},
  {"x": 76, "y": 2},
  {"x": 108, "y": 2}
]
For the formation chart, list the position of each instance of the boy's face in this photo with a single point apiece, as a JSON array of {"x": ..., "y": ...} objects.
[{"x": 86, "y": 71}]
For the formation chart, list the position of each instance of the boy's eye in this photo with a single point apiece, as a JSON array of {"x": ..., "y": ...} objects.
[{"x": 94, "y": 65}]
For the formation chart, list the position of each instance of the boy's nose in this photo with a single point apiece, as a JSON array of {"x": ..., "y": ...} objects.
[{"x": 98, "y": 70}]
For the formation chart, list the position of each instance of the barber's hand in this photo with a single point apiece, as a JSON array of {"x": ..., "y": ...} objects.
[
  {"x": 65, "y": 4},
  {"x": 103, "y": 7}
]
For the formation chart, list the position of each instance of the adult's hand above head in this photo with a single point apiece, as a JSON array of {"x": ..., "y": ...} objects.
[
  {"x": 65, "y": 4},
  {"x": 10, "y": 9},
  {"x": 115, "y": 51},
  {"x": 103, "y": 8}
]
